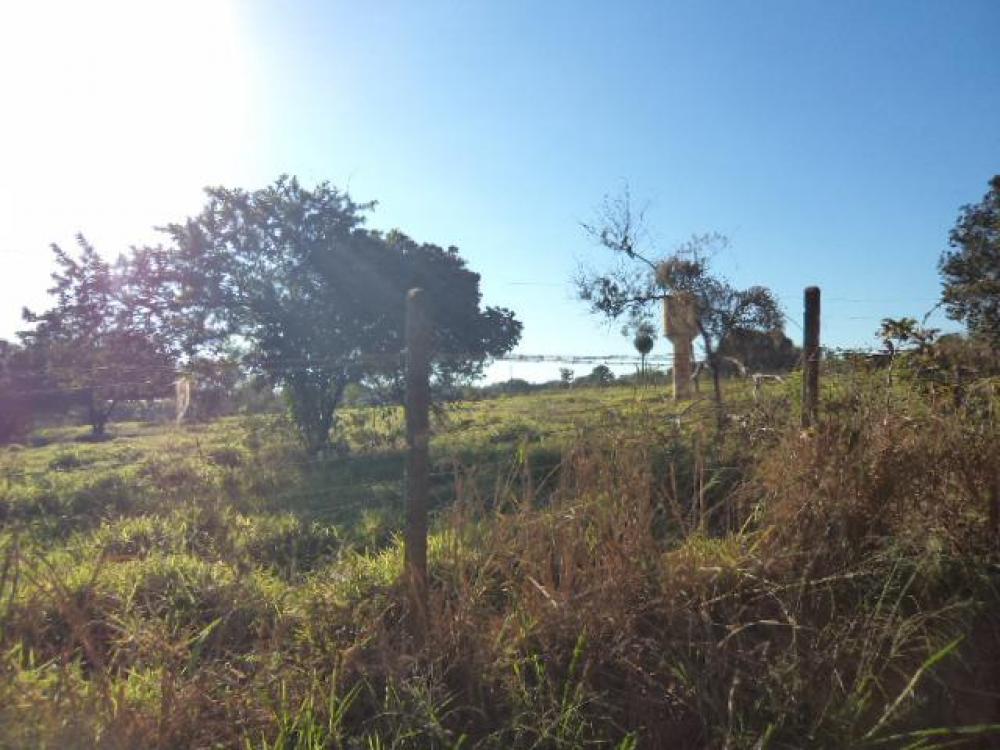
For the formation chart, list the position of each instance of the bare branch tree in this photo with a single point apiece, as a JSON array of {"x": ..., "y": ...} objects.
[{"x": 638, "y": 280}]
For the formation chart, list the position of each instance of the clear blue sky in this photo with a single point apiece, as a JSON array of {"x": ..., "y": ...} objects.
[{"x": 833, "y": 142}]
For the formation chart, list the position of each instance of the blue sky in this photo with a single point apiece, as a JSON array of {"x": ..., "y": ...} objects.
[{"x": 832, "y": 142}]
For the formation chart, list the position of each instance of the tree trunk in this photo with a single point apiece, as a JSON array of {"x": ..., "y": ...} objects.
[
  {"x": 714, "y": 361},
  {"x": 318, "y": 434},
  {"x": 98, "y": 416},
  {"x": 313, "y": 405}
]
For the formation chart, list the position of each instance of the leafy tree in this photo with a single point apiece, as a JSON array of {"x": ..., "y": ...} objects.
[
  {"x": 971, "y": 269},
  {"x": 760, "y": 351},
  {"x": 316, "y": 300},
  {"x": 515, "y": 387},
  {"x": 465, "y": 337},
  {"x": 155, "y": 291},
  {"x": 643, "y": 342},
  {"x": 907, "y": 332},
  {"x": 566, "y": 376},
  {"x": 955, "y": 351},
  {"x": 601, "y": 375},
  {"x": 639, "y": 281},
  {"x": 20, "y": 388},
  {"x": 216, "y": 386},
  {"x": 88, "y": 345}
]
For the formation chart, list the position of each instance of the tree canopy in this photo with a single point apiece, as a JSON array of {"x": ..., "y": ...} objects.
[
  {"x": 19, "y": 391},
  {"x": 758, "y": 351},
  {"x": 970, "y": 271},
  {"x": 92, "y": 346},
  {"x": 284, "y": 284},
  {"x": 316, "y": 299},
  {"x": 643, "y": 341}
]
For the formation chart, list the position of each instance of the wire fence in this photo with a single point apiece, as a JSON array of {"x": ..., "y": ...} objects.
[
  {"x": 95, "y": 377},
  {"x": 135, "y": 379},
  {"x": 540, "y": 437}
]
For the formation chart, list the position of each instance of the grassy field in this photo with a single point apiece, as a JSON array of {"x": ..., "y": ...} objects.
[
  {"x": 607, "y": 570},
  {"x": 63, "y": 484}
]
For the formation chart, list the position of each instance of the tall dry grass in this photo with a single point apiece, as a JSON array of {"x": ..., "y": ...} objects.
[{"x": 767, "y": 588}]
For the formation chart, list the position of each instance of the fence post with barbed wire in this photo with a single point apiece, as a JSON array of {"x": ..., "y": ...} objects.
[
  {"x": 810, "y": 357},
  {"x": 418, "y": 397}
]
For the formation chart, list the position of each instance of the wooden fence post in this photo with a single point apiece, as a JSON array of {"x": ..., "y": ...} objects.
[
  {"x": 418, "y": 397},
  {"x": 811, "y": 356}
]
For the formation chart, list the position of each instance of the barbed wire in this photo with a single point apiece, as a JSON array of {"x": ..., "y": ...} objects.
[
  {"x": 397, "y": 360},
  {"x": 620, "y": 360},
  {"x": 150, "y": 383},
  {"x": 376, "y": 360}
]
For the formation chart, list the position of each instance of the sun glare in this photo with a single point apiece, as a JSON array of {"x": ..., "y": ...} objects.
[{"x": 115, "y": 114}]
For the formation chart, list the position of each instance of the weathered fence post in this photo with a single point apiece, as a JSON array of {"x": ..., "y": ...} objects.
[
  {"x": 810, "y": 355},
  {"x": 418, "y": 398}
]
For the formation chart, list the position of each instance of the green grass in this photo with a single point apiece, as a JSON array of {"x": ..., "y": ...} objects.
[
  {"x": 257, "y": 462},
  {"x": 606, "y": 571}
]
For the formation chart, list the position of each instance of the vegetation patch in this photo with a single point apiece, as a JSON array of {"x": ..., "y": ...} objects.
[{"x": 634, "y": 584}]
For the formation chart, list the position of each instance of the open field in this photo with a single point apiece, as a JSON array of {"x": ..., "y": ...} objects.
[
  {"x": 55, "y": 485},
  {"x": 603, "y": 574}
]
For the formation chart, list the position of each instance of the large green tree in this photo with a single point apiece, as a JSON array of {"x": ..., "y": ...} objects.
[
  {"x": 91, "y": 347},
  {"x": 315, "y": 299},
  {"x": 21, "y": 389},
  {"x": 970, "y": 270}
]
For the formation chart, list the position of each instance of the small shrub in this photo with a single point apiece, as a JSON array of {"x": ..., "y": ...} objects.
[
  {"x": 288, "y": 545},
  {"x": 227, "y": 457},
  {"x": 66, "y": 460}
]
